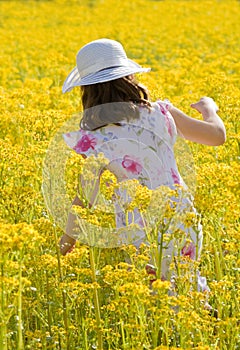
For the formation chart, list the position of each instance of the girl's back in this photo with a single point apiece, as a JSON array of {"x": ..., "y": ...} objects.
[{"x": 141, "y": 148}]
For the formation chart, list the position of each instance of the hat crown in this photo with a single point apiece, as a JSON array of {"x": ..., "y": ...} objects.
[
  {"x": 100, "y": 54},
  {"x": 101, "y": 61}
]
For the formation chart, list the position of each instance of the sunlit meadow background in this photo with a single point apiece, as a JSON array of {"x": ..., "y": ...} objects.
[{"x": 47, "y": 301}]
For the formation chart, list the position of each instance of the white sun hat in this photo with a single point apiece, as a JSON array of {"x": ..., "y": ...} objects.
[{"x": 100, "y": 61}]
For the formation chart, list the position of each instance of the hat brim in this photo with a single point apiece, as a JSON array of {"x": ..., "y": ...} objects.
[{"x": 102, "y": 76}]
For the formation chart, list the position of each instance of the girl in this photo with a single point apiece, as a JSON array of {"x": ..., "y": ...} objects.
[{"x": 106, "y": 78}]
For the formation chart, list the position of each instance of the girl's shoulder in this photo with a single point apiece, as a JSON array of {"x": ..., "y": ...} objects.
[
  {"x": 159, "y": 120},
  {"x": 153, "y": 122},
  {"x": 158, "y": 107}
]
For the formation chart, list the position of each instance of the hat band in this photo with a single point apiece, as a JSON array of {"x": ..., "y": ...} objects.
[{"x": 94, "y": 68}]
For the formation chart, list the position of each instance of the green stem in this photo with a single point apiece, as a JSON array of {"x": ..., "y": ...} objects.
[
  {"x": 217, "y": 265},
  {"x": 159, "y": 255},
  {"x": 123, "y": 335},
  {"x": 3, "y": 328},
  {"x": 48, "y": 307},
  {"x": 3, "y": 338},
  {"x": 64, "y": 301},
  {"x": 96, "y": 300},
  {"x": 20, "y": 336}
]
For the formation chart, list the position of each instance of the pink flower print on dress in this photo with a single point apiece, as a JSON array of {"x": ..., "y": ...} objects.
[
  {"x": 168, "y": 124},
  {"x": 189, "y": 250},
  {"x": 152, "y": 271},
  {"x": 163, "y": 107},
  {"x": 175, "y": 176},
  {"x": 131, "y": 165},
  {"x": 86, "y": 142}
]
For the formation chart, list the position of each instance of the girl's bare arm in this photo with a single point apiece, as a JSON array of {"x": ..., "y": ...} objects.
[
  {"x": 67, "y": 241},
  {"x": 209, "y": 131}
]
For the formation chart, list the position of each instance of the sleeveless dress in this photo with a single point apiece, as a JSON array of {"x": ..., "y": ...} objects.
[{"x": 142, "y": 149}]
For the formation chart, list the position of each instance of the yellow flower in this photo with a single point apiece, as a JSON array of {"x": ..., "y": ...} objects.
[{"x": 189, "y": 59}]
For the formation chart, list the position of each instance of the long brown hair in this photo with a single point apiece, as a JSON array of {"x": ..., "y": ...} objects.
[{"x": 99, "y": 102}]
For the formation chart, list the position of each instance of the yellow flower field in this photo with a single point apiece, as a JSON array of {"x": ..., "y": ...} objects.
[{"x": 92, "y": 298}]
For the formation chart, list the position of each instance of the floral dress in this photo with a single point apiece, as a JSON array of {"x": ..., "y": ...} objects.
[{"x": 142, "y": 149}]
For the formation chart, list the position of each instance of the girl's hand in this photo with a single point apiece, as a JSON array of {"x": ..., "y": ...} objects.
[
  {"x": 209, "y": 131},
  {"x": 206, "y": 106},
  {"x": 66, "y": 244}
]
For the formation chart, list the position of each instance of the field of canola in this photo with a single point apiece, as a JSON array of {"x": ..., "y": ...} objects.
[{"x": 48, "y": 301}]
